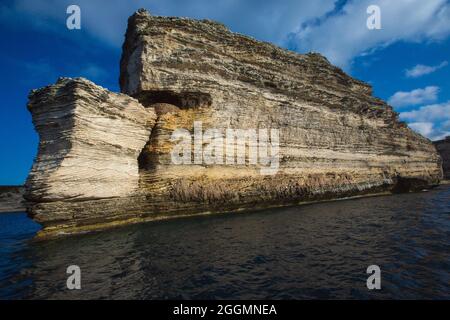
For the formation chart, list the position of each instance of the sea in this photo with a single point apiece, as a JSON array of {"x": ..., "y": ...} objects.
[{"x": 314, "y": 251}]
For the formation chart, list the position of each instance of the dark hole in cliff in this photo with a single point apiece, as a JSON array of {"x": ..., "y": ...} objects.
[
  {"x": 183, "y": 100},
  {"x": 166, "y": 101},
  {"x": 147, "y": 159},
  {"x": 409, "y": 185}
]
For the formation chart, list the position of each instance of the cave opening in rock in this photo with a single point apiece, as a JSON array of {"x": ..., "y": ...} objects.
[
  {"x": 147, "y": 159},
  {"x": 166, "y": 101},
  {"x": 182, "y": 100}
]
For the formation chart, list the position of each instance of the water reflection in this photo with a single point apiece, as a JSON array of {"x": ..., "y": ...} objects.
[{"x": 312, "y": 251}]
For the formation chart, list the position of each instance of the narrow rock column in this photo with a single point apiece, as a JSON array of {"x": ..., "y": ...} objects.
[{"x": 90, "y": 140}]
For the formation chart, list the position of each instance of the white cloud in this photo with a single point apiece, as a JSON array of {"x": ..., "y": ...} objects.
[
  {"x": 414, "y": 97},
  {"x": 432, "y": 121},
  {"x": 424, "y": 128},
  {"x": 269, "y": 20},
  {"x": 434, "y": 112},
  {"x": 429, "y": 130},
  {"x": 343, "y": 36},
  {"x": 311, "y": 25},
  {"x": 420, "y": 70}
]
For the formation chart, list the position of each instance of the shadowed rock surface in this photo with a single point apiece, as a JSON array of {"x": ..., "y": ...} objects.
[
  {"x": 443, "y": 147},
  {"x": 105, "y": 159},
  {"x": 11, "y": 199}
]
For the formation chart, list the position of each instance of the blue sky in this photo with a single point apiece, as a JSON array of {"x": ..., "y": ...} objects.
[{"x": 407, "y": 62}]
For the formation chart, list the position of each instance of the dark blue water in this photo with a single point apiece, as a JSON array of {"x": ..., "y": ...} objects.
[{"x": 312, "y": 251}]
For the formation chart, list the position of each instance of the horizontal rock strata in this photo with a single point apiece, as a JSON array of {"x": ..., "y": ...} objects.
[
  {"x": 90, "y": 139},
  {"x": 105, "y": 159}
]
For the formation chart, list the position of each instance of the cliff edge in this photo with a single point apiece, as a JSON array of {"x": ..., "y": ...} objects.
[{"x": 106, "y": 159}]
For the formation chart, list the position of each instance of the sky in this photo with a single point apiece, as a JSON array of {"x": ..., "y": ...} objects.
[{"x": 407, "y": 61}]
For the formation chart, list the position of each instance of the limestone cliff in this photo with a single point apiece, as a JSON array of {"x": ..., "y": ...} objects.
[
  {"x": 90, "y": 139},
  {"x": 105, "y": 158},
  {"x": 443, "y": 147}
]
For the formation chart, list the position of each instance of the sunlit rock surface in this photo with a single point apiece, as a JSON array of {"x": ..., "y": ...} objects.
[
  {"x": 90, "y": 139},
  {"x": 104, "y": 158}
]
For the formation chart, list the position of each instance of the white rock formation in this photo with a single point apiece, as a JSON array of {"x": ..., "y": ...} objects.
[{"x": 90, "y": 139}]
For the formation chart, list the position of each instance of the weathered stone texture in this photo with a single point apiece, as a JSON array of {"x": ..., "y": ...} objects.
[
  {"x": 90, "y": 139},
  {"x": 336, "y": 139},
  {"x": 443, "y": 147}
]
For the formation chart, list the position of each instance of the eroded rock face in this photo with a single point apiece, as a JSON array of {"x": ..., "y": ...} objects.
[
  {"x": 336, "y": 139},
  {"x": 443, "y": 147},
  {"x": 106, "y": 159},
  {"x": 90, "y": 139}
]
